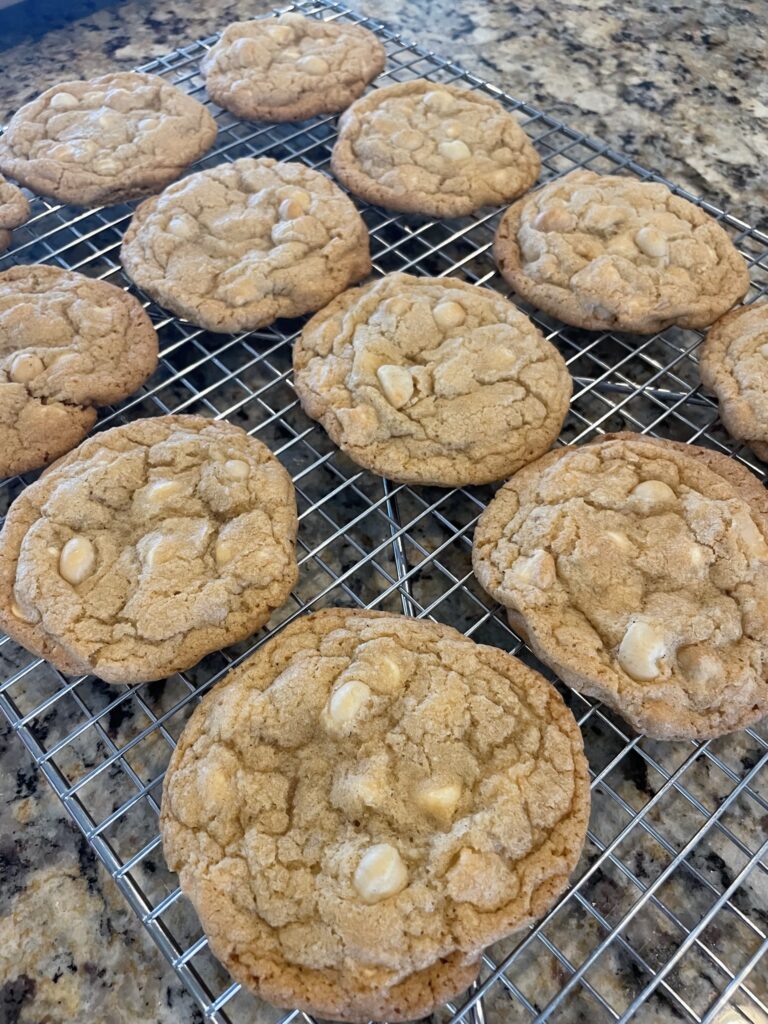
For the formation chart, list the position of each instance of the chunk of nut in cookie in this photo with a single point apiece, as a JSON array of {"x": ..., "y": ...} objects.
[
  {"x": 345, "y": 704},
  {"x": 224, "y": 553},
  {"x": 642, "y": 651},
  {"x": 621, "y": 540},
  {"x": 653, "y": 495},
  {"x": 295, "y": 204},
  {"x": 77, "y": 560},
  {"x": 439, "y": 800},
  {"x": 380, "y": 873},
  {"x": 396, "y": 383},
  {"x": 748, "y": 535}
]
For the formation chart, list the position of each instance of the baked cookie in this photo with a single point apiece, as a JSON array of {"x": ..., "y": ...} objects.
[
  {"x": 610, "y": 253},
  {"x": 105, "y": 140},
  {"x": 425, "y": 147},
  {"x": 366, "y": 803},
  {"x": 147, "y": 547},
  {"x": 14, "y": 210},
  {"x": 235, "y": 247},
  {"x": 67, "y": 344},
  {"x": 431, "y": 380},
  {"x": 638, "y": 570},
  {"x": 290, "y": 68},
  {"x": 734, "y": 365}
]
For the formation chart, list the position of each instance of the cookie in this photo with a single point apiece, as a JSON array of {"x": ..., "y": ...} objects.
[
  {"x": 14, "y": 210},
  {"x": 610, "y": 253},
  {"x": 105, "y": 140},
  {"x": 290, "y": 68},
  {"x": 734, "y": 365},
  {"x": 638, "y": 569},
  {"x": 366, "y": 803},
  {"x": 68, "y": 343},
  {"x": 425, "y": 147},
  {"x": 147, "y": 547},
  {"x": 235, "y": 247},
  {"x": 431, "y": 381}
]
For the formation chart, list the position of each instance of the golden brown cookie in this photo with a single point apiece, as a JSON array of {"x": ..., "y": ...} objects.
[
  {"x": 611, "y": 253},
  {"x": 734, "y": 365},
  {"x": 365, "y": 804},
  {"x": 431, "y": 380},
  {"x": 14, "y": 210},
  {"x": 238, "y": 245},
  {"x": 290, "y": 68},
  {"x": 105, "y": 140},
  {"x": 68, "y": 343},
  {"x": 638, "y": 570},
  {"x": 425, "y": 147},
  {"x": 147, "y": 547}
]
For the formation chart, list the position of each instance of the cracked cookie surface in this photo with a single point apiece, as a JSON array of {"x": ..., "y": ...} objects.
[
  {"x": 606, "y": 252},
  {"x": 14, "y": 211},
  {"x": 365, "y": 804},
  {"x": 734, "y": 365},
  {"x": 425, "y": 147},
  {"x": 431, "y": 380},
  {"x": 290, "y": 68},
  {"x": 105, "y": 140},
  {"x": 237, "y": 246},
  {"x": 638, "y": 571},
  {"x": 67, "y": 344},
  {"x": 147, "y": 547}
]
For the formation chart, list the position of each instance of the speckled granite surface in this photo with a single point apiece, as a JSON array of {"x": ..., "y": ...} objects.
[{"x": 678, "y": 90}]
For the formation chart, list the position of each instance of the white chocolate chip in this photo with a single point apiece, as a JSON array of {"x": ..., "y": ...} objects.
[
  {"x": 25, "y": 367},
  {"x": 439, "y": 800},
  {"x": 52, "y": 550},
  {"x": 396, "y": 383},
  {"x": 555, "y": 219},
  {"x": 698, "y": 555},
  {"x": 313, "y": 65},
  {"x": 281, "y": 34},
  {"x": 225, "y": 552},
  {"x": 653, "y": 494},
  {"x": 439, "y": 101},
  {"x": 345, "y": 702},
  {"x": 388, "y": 674},
  {"x": 290, "y": 209},
  {"x": 408, "y": 139},
  {"x": 763, "y": 350},
  {"x": 161, "y": 490},
  {"x": 449, "y": 314},
  {"x": 236, "y": 469},
  {"x": 452, "y": 131},
  {"x": 63, "y": 101},
  {"x": 160, "y": 549},
  {"x": 748, "y": 534},
  {"x": 651, "y": 241},
  {"x": 620, "y": 539},
  {"x": 536, "y": 570},
  {"x": 106, "y": 166},
  {"x": 380, "y": 873},
  {"x": 456, "y": 149},
  {"x": 182, "y": 227},
  {"x": 77, "y": 560},
  {"x": 291, "y": 53},
  {"x": 17, "y": 613},
  {"x": 642, "y": 650}
]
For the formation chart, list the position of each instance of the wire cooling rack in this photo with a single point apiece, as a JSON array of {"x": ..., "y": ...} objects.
[{"x": 667, "y": 915}]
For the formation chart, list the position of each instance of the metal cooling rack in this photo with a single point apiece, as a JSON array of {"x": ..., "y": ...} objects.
[{"x": 667, "y": 915}]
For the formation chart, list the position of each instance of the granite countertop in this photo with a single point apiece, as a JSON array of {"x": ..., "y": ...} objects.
[{"x": 675, "y": 86}]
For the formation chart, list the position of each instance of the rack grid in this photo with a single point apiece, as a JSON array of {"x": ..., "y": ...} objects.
[{"x": 667, "y": 915}]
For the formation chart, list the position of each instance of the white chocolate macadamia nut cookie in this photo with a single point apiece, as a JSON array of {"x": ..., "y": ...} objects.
[
  {"x": 67, "y": 344},
  {"x": 147, "y": 547},
  {"x": 290, "y": 68},
  {"x": 235, "y": 247},
  {"x": 105, "y": 140},
  {"x": 638, "y": 570},
  {"x": 14, "y": 210},
  {"x": 606, "y": 252},
  {"x": 424, "y": 147},
  {"x": 431, "y": 380},
  {"x": 367, "y": 802},
  {"x": 734, "y": 365}
]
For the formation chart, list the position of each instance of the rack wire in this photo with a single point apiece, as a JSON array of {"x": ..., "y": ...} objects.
[{"x": 667, "y": 914}]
